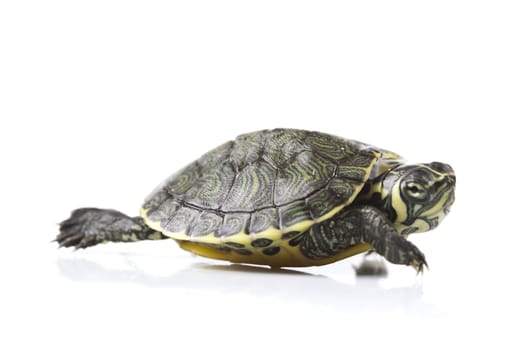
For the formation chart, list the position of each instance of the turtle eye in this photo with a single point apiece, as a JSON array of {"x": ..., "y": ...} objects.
[{"x": 415, "y": 190}]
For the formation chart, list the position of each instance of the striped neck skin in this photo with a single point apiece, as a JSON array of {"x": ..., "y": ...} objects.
[{"x": 416, "y": 198}]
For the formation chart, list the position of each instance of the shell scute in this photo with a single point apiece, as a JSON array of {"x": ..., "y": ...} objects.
[
  {"x": 263, "y": 220},
  {"x": 233, "y": 223},
  {"x": 212, "y": 187},
  {"x": 252, "y": 188},
  {"x": 181, "y": 220},
  {"x": 205, "y": 224},
  {"x": 294, "y": 213},
  {"x": 306, "y": 174}
]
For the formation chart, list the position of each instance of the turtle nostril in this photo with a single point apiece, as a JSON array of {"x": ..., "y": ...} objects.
[{"x": 442, "y": 167}]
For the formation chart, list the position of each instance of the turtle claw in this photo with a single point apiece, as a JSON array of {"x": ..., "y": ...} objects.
[
  {"x": 68, "y": 239},
  {"x": 404, "y": 252},
  {"x": 419, "y": 265}
]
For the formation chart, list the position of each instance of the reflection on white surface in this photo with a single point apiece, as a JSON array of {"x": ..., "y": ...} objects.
[
  {"x": 151, "y": 294},
  {"x": 356, "y": 295}
]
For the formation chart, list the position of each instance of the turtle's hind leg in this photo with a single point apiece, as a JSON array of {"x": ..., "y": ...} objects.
[{"x": 87, "y": 227}]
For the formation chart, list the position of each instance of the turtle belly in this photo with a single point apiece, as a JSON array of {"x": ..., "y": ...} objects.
[{"x": 276, "y": 256}]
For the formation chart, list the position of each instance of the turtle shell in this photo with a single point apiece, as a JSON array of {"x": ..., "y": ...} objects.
[{"x": 266, "y": 183}]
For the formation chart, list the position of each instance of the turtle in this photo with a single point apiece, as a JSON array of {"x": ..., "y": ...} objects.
[{"x": 284, "y": 198}]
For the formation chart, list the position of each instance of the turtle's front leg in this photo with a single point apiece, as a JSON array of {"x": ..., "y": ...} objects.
[
  {"x": 355, "y": 226},
  {"x": 376, "y": 229}
]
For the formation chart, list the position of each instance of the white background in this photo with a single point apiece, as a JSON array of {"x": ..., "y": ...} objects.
[{"x": 101, "y": 100}]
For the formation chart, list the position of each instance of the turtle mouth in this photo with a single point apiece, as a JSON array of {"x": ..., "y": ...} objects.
[
  {"x": 451, "y": 194},
  {"x": 435, "y": 219},
  {"x": 448, "y": 204}
]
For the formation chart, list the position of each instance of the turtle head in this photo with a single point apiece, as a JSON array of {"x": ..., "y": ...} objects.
[{"x": 417, "y": 197}]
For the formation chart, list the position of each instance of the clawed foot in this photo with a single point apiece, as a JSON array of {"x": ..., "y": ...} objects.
[
  {"x": 400, "y": 251},
  {"x": 84, "y": 228},
  {"x": 416, "y": 259}
]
